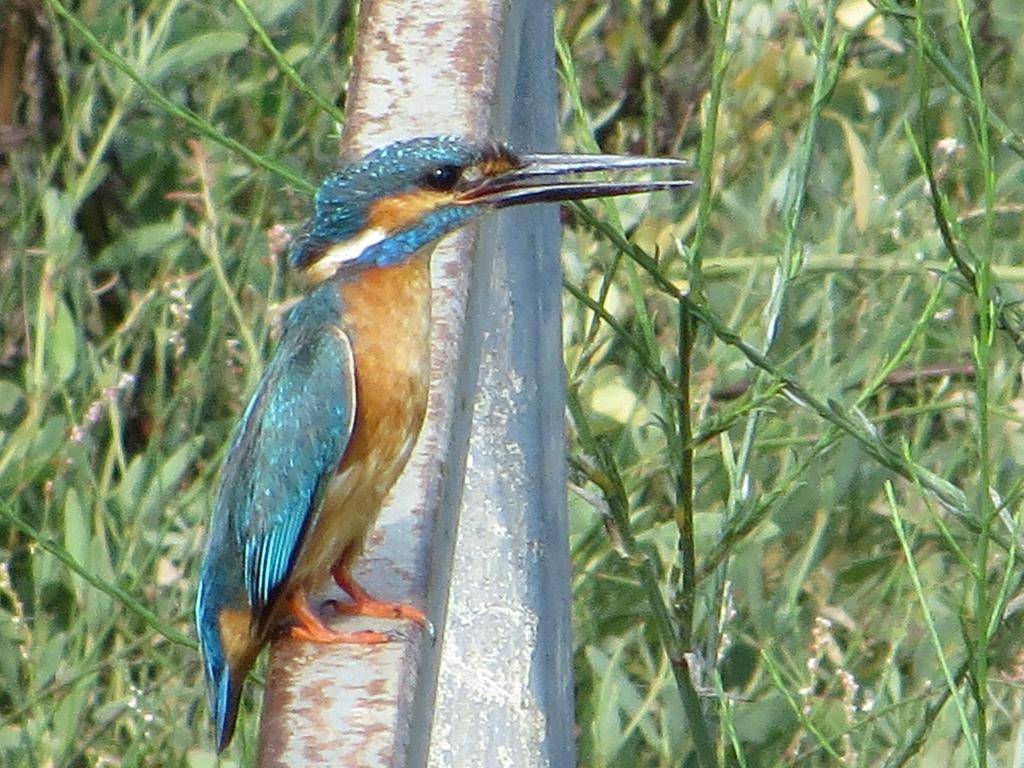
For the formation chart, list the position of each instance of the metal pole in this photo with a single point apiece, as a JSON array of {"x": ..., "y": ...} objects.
[{"x": 492, "y": 444}]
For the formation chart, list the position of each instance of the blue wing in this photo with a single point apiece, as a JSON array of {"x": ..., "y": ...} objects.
[
  {"x": 284, "y": 452},
  {"x": 287, "y": 446}
]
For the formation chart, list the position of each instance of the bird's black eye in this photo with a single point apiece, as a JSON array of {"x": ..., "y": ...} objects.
[{"x": 442, "y": 177}]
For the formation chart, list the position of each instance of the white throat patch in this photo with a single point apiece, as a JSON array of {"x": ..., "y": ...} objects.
[{"x": 340, "y": 253}]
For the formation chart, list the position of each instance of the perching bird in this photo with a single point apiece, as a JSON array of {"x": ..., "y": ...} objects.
[{"x": 338, "y": 410}]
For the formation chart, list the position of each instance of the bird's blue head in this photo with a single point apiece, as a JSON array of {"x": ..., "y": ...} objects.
[{"x": 378, "y": 211}]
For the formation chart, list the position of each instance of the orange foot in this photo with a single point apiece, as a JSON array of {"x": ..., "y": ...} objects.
[
  {"x": 363, "y": 604},
  {"x": 311, "y": 628}
]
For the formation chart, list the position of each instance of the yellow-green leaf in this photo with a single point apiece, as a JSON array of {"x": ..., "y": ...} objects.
[
  {"x": 861, "y": 172},
  {"x": 195, "y": 51},
  {"x": 63, "y": 346}
]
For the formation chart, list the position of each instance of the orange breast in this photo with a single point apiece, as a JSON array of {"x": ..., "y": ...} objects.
[{"x": 387, "y": 318}]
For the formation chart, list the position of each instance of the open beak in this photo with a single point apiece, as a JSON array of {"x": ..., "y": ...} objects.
[{"x": 537, "y": 179}]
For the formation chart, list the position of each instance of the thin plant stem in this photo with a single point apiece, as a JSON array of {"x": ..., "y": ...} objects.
[{"x": 967, "y": 731}]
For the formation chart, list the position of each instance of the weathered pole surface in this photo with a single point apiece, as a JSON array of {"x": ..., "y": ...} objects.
[{"x": 475, "y": 530}]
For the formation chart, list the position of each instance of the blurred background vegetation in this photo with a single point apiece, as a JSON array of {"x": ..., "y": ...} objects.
[{"x": 820, "y": 349}]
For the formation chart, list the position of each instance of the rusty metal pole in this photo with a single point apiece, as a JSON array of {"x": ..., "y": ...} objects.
[
  {"x": 496, "y": 687},
  {"x": 505, "y": 695}
]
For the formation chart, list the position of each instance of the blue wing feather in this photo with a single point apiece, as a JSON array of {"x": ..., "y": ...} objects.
[
  {"x": 285, "y": 450},
  {"x": 283, "y": 453}
]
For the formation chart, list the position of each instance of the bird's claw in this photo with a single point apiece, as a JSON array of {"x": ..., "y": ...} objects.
[{"x": 419, "y": 619}]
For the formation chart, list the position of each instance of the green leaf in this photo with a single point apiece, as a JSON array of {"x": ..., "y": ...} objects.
[
  {"x": 147, "y": 240},
  {"x": 168, "y": 478},
  {"x": 67, "y": 716},
  {"x": 195, "y": 51},
  {"x": 63, "y": 347},
  {"x": 60, "y": 238},
  {"x": 764, "y": 721},
  {"x": 606, "y": 725},
  {"x": 11, "y": 396},
  {"x": 76, "y": 534},
  {"x": 130, "y": 487},
  {"x": 30, "y": 449},
  {"x": 269, "y": 11},
  {"x": 49, "y": 658}
]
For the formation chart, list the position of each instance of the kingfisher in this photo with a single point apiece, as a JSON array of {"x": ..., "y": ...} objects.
[{"x": 339, "y": 407}]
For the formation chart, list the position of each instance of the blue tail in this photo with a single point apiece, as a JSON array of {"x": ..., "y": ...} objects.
[
  {"x": 226, "y": 660},
  {"x": 224, "y": 703}
]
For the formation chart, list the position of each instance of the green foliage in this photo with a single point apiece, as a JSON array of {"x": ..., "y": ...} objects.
[
  {"x": 794, "y": 394},
  {"x": 797, "y": 397}
]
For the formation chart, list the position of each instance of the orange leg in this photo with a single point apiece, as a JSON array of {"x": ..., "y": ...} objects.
[
  {"x": 363, "y": 604},
  {"x": 311, "y": 628}
]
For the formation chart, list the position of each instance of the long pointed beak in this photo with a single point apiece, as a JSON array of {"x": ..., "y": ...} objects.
[{"x": 537, "y": 180}]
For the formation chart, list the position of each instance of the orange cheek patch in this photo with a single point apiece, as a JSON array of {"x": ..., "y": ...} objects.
[{"x": 398, "y": 212}]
